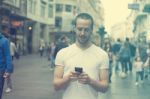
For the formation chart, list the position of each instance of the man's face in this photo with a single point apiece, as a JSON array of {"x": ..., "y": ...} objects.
[
  {"x": 83, "y": 31},
  {"x": 6, "y": 31}
]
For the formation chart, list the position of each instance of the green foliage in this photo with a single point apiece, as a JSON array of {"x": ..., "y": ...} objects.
[{"x": 101, "y": 31}]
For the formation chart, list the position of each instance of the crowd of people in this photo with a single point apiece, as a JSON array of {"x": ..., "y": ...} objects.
[{"x": 126, "y": 56}]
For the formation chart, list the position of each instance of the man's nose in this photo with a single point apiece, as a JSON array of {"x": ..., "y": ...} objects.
[{"x": 82, "y": 32}]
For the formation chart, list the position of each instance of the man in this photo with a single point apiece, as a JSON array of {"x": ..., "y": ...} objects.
[
  {"x": 62, "y": 43},
  {"x": 5, "y": 59},
  {"x": 132, "y": 49},
  {"x": 91, "y": 64},
  {"x": 115, "y": 49}
]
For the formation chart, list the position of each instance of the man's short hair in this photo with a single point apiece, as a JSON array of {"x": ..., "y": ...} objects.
[{"x": 84, "y": 16}]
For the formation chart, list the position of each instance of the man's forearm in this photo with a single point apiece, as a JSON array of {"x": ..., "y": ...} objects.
[
  {"x": 61, "y": 83},
  {"x": 101, "y": 86}
]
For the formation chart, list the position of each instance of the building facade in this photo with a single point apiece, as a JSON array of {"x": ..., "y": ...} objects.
[
  {"x": 41, "y": 15},
  {"x": 66, "y": 10},
  {"x": 13, "y": 14},
  {"x": 46, "y": 20},
  {"x": 93, "y": 7},
  {"x": 30, "y": 20},
  {"x": 142, "y": 21}
]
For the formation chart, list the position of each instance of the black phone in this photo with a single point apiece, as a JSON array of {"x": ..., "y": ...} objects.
[{"x": 79, "y": 69}]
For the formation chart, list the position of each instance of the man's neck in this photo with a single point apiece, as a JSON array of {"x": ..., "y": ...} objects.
[{"x": 83, "y": 46}]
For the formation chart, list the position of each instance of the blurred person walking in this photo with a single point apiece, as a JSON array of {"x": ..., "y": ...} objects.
[
  {"x": 13, "y": 50},
  {"x": 6, "y": 67},
  {"x": 108, "y": 49},
  {"x": 138, "y": 64},
  {"x": 115, "y": 49},
  {"x": 124, "y": 57},
  {"x": 52, "y": 55}
]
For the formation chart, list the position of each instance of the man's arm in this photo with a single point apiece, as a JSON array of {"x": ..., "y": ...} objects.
[
  {"x": 102, "y": 84},
  {"x": 59, "y": 81},
  {"x": 99, "y": 85},
  {"x": 7, "y": 56}
]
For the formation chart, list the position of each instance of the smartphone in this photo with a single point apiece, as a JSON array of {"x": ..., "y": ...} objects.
[{"x": 79, "y": 69}]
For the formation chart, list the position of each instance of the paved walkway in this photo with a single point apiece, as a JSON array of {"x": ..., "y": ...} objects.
[{"x": 32, "y": 79}]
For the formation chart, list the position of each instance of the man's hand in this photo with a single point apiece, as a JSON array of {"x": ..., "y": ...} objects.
[
  {"x": 6, "y": 75},
  {"x": 72, "y": 76},
  {"x": 84, "y": 78}
]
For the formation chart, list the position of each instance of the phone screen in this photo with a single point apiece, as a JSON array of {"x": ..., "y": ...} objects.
[{"x": 78, "y": 69}]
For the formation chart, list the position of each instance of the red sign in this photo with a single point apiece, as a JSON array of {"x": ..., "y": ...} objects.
[{"x": 16, "y": 23}]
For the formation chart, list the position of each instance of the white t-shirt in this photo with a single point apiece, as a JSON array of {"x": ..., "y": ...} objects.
[
  {"x": 91, "y": 60},
  {"x": 13, "y": 48},
  {"x": 138, "y": 66}
]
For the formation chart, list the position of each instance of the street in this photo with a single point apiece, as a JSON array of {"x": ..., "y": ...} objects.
[{"x": 32, "y": 79}]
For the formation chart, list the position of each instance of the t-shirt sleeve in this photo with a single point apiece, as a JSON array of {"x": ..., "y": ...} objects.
[
  {"x": 105, "y": 61},
  {"x": 59, "y": 61}
]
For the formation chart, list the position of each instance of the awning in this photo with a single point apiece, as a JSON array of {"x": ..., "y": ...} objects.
[{"x": 18, "y": 17}]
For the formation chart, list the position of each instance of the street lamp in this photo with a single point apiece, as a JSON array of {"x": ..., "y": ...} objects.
[{"x": 30, "y": 28}]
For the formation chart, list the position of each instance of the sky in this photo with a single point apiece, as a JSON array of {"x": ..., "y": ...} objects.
[{"x": 116, "y": 11}]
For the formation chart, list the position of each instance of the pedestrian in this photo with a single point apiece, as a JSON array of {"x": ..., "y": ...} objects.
[
  {"x": 138, "y": 64},
  {"x": 5, "y": 59},
  {"x": 13, "y": 49},
  {"x": 132, "y": 49},
  {"x": 82, "y": 68},
  {"x": 124, "y": 57},
  {"x": 52, "y": 55},
  {"x": 41, "y": 47},
  {"x": 62, "y": 43},
  {"x": 108, "y": 49},
  {"x": 115, "y": 49}
]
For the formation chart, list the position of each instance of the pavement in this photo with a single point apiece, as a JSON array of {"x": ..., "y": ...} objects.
[{"x": 32, "y": 79}]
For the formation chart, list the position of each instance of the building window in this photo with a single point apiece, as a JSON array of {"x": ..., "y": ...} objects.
[
  {"x": 59, "y": 7},
  {"x": 50, "y": 11},
  {"x": 30, "y": 6},
  {"x": 68, "y": 8},
  {"x": 17, "y": 3},
  {"x": 58, "y": 22},
  {"x": 34, "y": 7},
  {"x": 43, "y": 9}
]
